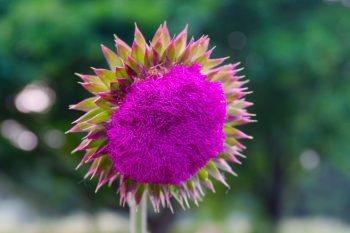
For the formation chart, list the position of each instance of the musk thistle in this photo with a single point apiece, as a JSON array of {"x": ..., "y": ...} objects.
[{"x": 162, "y": 120}]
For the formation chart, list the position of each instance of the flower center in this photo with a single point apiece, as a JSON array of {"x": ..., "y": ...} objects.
[{"x": 168, "y": 127}]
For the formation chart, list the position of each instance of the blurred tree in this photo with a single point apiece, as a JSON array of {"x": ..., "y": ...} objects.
[
  {"x": 297, "y": 58},
  {"x": 295, "y": 53}
]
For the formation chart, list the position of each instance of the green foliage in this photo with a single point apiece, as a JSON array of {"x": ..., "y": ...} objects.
[{"x": 296, "y": 54}]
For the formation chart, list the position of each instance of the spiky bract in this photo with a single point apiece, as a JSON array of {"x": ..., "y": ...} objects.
[{"x": 157, "y": 103}]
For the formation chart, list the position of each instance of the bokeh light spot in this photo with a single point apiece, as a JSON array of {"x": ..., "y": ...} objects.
[
  {"x": 309, "y": 159},
  {"x": 34, "y": 98},
  {"x": 237, "y": 40},
  {"x": 27, "y": 140},
  {"x": 54, "y": 138},
  {"x": 18, "y": 135}
]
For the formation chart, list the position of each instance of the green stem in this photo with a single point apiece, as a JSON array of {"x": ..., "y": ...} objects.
[{"x": 138, "y": 215}]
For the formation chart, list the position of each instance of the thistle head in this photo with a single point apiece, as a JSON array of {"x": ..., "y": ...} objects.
[{"x": 162, "y": 120}]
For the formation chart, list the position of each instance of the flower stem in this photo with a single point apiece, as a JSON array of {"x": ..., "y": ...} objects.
[{"x": 138, "y": 215}]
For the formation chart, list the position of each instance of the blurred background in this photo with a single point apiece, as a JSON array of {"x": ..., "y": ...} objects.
[{"x": 296, "y": 54}]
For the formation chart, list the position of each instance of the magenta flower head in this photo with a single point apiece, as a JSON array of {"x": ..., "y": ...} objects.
[{"x": 162, "y": 120}]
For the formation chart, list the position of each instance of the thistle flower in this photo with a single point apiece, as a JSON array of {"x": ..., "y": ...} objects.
[{"x": 162, "y": 120}]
